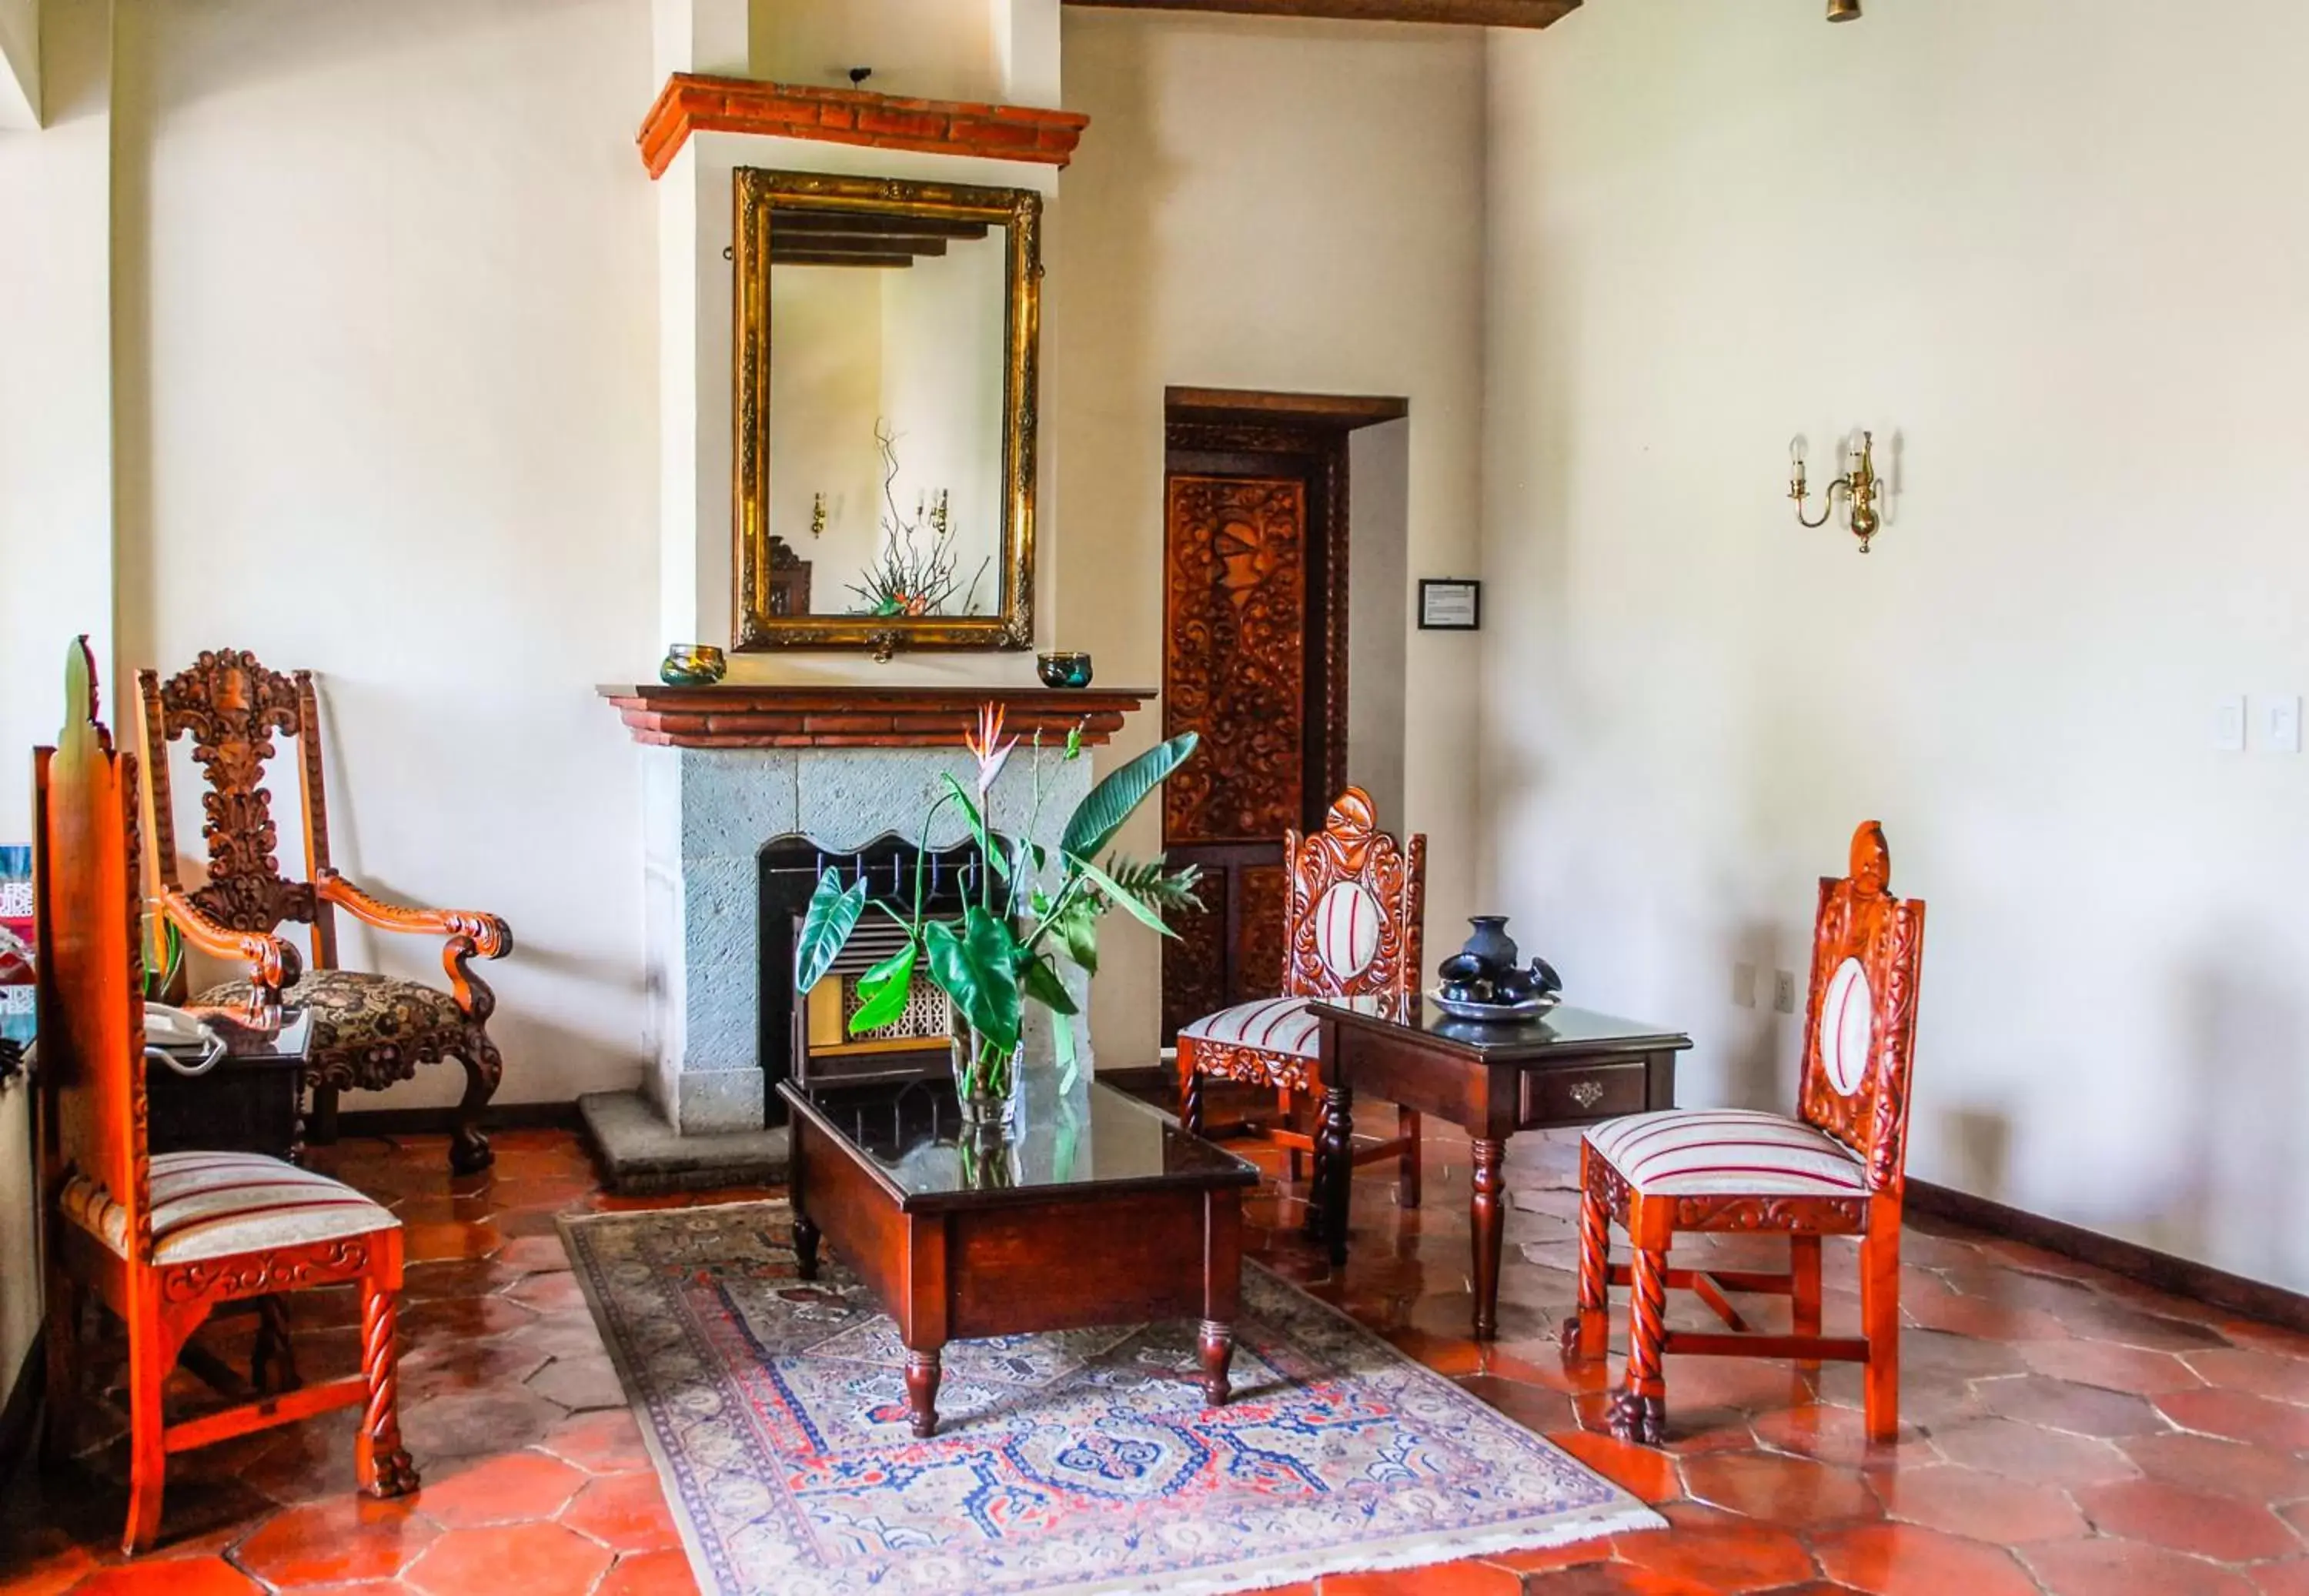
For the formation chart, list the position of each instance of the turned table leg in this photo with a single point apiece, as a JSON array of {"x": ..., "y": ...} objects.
[
  {"x": 1215, "y": 1346},
  {"x": 805, "y": 1245},
  {"x": 922, "y": 1390},
  {"x": 1221, "y": 1289},
  {"x": 1338, "y": 1142},
  {"x": 1485, "y": 1228}
]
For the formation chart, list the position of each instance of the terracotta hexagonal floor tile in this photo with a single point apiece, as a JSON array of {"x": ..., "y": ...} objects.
[
  {"x": 2224, "y": 1468},
  {"x": 2024, "y": 1452},
  {"x": 1835, "y": 1435},
  {"x": 2107, "y": 1567},
  {"x": 2290, "y": 1578},
  {"x": 1534, "y": 1407},
  {"x": 171, "y": 1576},
  {"x": 627, "y": 1511},
  {"x": 649, "y": 1574},
  {"x": 2250, "y": 1369},
  {"x": 1907, "y": 1560},
  {"x": 2112, "y": 1367},
  {"x": 518, "y": 1558},
  {"x": 548, "y": 1291},
  {"x": 343, "y": 1538},
  {"x": 1639, "y": 1471},
  {"x": 475, "y": 1423},
  {"x": 605, "y": 1442},
  {"x": 1719, "y": 1550},
  {"x": 430, "y": 1243},
  {"x": 1978, "y": 1505},
  {"x": 535, "y": 1253},
  {"x": 2240, "y": 1415},
  {"x": 2223, "y": 1528},
  {"x": 42, "y": 1573},
  {"x": 2132, "y": 1327},
  {"x": 580, "y": 1383},
  {"x": 2065, "y": 1405},
  {"x": 506, "y": 1489},
  {"x": 1606, "y": 1579},
  {"x": 1792, "y": 1492}
]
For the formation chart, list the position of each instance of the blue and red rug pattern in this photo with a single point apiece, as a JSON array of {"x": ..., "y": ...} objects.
[{"x": 1083, "y": 1464}]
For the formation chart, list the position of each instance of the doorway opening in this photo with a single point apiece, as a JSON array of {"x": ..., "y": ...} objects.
[{"x": 1257, "y": 600}]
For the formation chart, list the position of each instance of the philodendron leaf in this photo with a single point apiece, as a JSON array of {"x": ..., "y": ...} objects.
[
  {"x": 1045, "y": 987},
  {"x": 885, "y": 990},
  {"x": 976, "y": 965},
  {"x": 833, "y": 914},
  {"x": 1101, "y": 814}
]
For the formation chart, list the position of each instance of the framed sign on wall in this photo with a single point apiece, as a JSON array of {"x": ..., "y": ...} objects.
[{"x": 1450, "y": 604}]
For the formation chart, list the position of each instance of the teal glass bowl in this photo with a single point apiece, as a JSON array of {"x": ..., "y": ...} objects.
[{"x": 1063, "y": 669}]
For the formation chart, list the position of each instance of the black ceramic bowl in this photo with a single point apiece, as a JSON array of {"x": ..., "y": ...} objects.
[{"x": 1063, "y": 669}]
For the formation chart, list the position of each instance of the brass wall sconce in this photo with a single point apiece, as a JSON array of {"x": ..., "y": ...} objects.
[
  {"x": 1842, "y": 10},
  {"x": 1860, "y": 486}
]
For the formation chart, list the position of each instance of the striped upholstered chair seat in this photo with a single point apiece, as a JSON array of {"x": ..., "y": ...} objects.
[
  {"x": 214, "y": 1204},
  {"x": 1281, "y": 1025},
  {"x": 1726, "y": 1152}
]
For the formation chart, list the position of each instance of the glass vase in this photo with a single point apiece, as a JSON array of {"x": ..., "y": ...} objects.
[{"x": 985, "y": 1084}]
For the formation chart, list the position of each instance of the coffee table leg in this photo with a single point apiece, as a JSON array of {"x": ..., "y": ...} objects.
[
  {"x": 805, "y": 1232},
  {"x": 1216, "y": 1346},
  {"x": 805, "y": 1244},
  {"x": 1339, "y": 1167},
  {"x": 1483, "y": 1212},
  {"x": 1221, "y": 1289},
  {"x": 922, "y": 1390}
]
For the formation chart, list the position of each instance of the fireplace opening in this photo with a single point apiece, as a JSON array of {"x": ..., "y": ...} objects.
[{"x": 807, "y": 1039}]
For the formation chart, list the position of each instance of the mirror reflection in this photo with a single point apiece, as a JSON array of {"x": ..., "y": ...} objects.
[{"x": 886, "y": 414}]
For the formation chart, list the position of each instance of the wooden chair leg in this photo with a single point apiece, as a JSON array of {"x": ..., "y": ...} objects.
[
  {"x": 1190, "y": 1095},
  {"x": 469, "y": 1148},
  {"x": 1879, "y": 1322},
  {"x": 1803, "y": 1268},
  {"x": 1640, "y": 1412},
  {"x": 68, "y": 1309},
  {"x": 1587, "y": 1334},
  {"x": 1406, "y": 1125},
  {"x": 148, "y": 1459},
  {"x": 381, "y": 1463}
]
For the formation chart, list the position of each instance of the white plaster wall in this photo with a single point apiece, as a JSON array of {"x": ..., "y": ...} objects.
[
  {"x": 388, "y": 408},
  {"x": 1286, "y": 205},
  {"x": 56, "y": 494},
  {"x": 1379, "y": 585},
  {"x": 935, "y": 49},
  {"x": 2053, "y": 254}
]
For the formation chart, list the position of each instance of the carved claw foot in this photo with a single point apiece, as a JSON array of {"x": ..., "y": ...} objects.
[
  {"x": 469, "y": 1151},
  {"x": 1639, "y": 1420},
  {"x": 396, "y": 1475},
  {"x": 1568, "y": 1337}
]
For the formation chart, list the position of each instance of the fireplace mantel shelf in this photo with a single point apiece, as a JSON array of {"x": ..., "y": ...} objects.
[{"x": 783, "y": 715}]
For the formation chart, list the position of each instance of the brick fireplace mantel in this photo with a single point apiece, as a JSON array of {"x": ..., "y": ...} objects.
[
  {"x": 761, "y": 715},
  {"x": 692, "y": 103}
]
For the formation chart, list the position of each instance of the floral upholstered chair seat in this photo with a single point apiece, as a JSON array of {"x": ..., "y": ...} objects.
[{"x": 368, "y": 1030}]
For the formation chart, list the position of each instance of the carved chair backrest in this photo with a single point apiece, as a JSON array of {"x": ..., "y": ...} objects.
[
  {"x": 1356, "y": 908},
  {"x": 91, "y": 989},
  {"x": 1860, "y": 1022},
  {"x": 233, "y": 707}
]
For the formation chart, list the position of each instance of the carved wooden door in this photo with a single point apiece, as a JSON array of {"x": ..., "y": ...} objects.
[{"x": 1253, "y": 661}]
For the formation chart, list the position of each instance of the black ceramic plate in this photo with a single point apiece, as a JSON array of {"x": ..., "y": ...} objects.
[{"x": 1494, "y": 1013}]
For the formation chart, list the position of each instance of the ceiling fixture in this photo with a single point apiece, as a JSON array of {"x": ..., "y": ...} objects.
[{"x": 1842, "y": 10}]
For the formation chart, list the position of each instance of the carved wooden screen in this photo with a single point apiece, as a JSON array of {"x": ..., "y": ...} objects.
[
  {"x": 1860, "y": 1021},
  {"x": 1254, "y": 573}
]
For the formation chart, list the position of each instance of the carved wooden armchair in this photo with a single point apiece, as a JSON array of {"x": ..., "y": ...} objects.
[
  {"x": 1837, "y": 1169},
  {"x": 367, "y": 1030},
  {"x": 1352, "y": 932},
  {"x": 163, "y": 1241}
]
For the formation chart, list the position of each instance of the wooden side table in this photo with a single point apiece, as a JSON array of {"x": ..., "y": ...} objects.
[
  {"x": 1571, "y": 1067},
  {"x": 1115, "y": 1220}
]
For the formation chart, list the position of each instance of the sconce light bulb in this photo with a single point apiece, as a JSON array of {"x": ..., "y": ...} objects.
[
  {"x": 1796, "y": 450},
  {"x": 1842, "y": 10}
]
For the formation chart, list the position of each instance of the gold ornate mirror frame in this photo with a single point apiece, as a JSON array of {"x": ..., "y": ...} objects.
[{"x": 1019, "y": 212}]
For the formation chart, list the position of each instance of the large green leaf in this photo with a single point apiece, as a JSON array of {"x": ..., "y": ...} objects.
[
  {"x": 1111, "y": 803},
  {"x": 977, "y": 967},
  {"x": 1076, "y": 929},
  {"x": 885, "y": 990},
  {"x": 832, "y": 915},
  {"x": 1045, "y": 987},
  {"x": 1138, "y": 906}
]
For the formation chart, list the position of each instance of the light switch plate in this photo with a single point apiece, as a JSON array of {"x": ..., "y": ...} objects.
[
  {"x": 1784, "y": 991},
  {"x": 2280, "y": 722},
  {"x": 2228, "y": 725}
]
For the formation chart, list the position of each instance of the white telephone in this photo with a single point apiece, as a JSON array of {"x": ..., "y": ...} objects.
[{"x": 171, "y": 1034}]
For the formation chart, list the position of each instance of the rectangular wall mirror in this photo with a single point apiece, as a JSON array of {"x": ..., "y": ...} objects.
[{"x": 886, "y": 371}]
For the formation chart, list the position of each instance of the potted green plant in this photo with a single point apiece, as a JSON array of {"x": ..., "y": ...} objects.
[{"x": 1035, "y": 907}]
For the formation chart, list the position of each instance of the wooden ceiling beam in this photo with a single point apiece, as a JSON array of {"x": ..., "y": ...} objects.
[
  {"x": 802, "y": 219},
  {"x": 1487, "y": 14}
]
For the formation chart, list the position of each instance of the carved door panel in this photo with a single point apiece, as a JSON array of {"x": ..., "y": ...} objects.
[{"x": 1246, "y": 652}]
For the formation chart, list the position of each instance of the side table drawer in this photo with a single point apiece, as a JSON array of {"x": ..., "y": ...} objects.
[{"x": 1573, "y": 1095}]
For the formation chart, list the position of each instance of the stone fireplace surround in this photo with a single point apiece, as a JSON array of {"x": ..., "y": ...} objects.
[{"x": 734, "y": 768}]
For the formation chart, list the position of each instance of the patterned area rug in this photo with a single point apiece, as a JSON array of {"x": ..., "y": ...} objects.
[{"x": 1065, "y": 1465}]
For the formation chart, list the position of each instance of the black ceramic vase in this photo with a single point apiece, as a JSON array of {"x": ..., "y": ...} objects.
[{"x": 1490, "y": 944}]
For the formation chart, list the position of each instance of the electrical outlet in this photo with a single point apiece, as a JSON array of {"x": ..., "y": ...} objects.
[
  {"x": 2228, "y": 724},
  {"x": 1784, "y": 991},
  {"x": 1744, "y": 986}
]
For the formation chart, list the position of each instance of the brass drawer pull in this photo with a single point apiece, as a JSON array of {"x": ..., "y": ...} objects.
[{"x": 1588, "y": 1093}]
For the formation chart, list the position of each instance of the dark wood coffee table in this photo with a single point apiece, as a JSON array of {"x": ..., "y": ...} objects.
[
  {"x": 1571, "y": 1067},
  {"x": 1121, "y": 1219}
]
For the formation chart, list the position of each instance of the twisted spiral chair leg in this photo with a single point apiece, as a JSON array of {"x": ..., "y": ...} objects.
[
  {"x": 1640, "y": 1412},
  {"x": 1584, "y": 1334},
  {"x": 381, "y": 1462}
]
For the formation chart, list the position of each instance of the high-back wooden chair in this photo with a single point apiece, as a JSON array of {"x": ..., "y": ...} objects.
[
  {"x": 1353, "y": 927},
  {"x": 367, "y": 1030},
  {"x": 1839, "y": 1169},
  {"x": 162, "y": 1241}
]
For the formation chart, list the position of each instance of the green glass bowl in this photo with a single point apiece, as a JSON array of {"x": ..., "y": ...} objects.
[
  {"x": 692, "y": 665},
  {"x": 1063, "y": 669}
]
